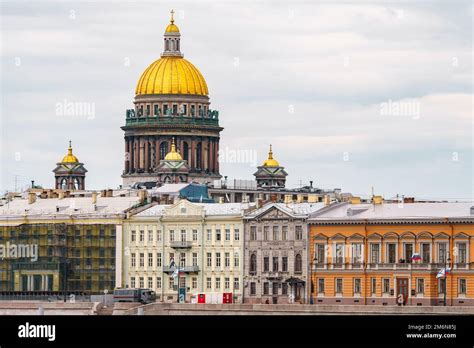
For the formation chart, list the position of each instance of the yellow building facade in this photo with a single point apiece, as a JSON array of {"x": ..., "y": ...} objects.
[{"x": 385, "y": 254}]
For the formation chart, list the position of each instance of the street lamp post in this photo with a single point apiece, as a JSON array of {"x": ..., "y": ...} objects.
[{"x": 447, "y": 261}]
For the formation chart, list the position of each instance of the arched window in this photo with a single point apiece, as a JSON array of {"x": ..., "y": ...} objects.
[
  {"x": 253, "y": 263},
  {"x": 64, "y": 184},
  {"x": 163, "y": 150},
  {"x": 185, "y": 151},
  {"x": 298, "y": 263}
]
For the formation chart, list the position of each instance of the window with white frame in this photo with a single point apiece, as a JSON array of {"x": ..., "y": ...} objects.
[
  {"x": 298, "y": 232},
  {"x": 442, "y": 252},
  {"x": 158, "y": 259},
  {"x": 150, "y": 236},
  {"x": 284, "y": 232},
  {"x": 133, "y": 236},
  {"x": 253, "y": 232},
  {"x": 209, "y": 260},
  {"x": 141, "y": 282},
  {"x": 236, "y": 234},
  {"x": 218, "y": 234},
  {"x": 150, "y": 259},
  {"x": 171, "y": 235},
  {"x": 461, "y": 251},
  {"x": 408, "y": 252},
  {"x": 373, "y": 286},
  {"x": 132, "y": 282},
  {"x": 227, "y": 260},
  {"x": 150, "y": 283},
  {"x": 338, "y": 285},
  {"x": 236, "y": 283},
  {"x": 276, "y": 233},
  {"x": 142, "y": 236},
  {"x": 227, "y": 234},
  {"x": 339, "y": 253},
  {"x": 209, "y": 235},
  {"x": 375, "y": 252},
  {"x": 386, "y": 285},
  {"x": 356, "y": 253},
  {"x": 142, "y": 260},
  {"x": 208, "y": 283},
  {"x": 195, "y": 259},
  {"x": 391, "y": 252},
  {"x": 133, "y": 260},
  {"x": 183, "y": 235},
  {"x": 320, "y": 255},
  {"x": 320, "y": 285},
  {"x": 266, "y": 231},
  {"x": 420, "y": 285},
  {"x": 218, "y": 283},
  {"x": 226, "y": 283},
  {"x": 357, "y": 285},
  {"x": 462, "y": 287},
  {"x": 236, "y": 259},
  {"x": 158, "y": 282},
  {"x": 425, "y": 252},
  {"x": 195, "y": 235},
  {"x": 194, "y": 282},
  {"x": 158, "y": 235},
  {"x": 218, "y": 260}
]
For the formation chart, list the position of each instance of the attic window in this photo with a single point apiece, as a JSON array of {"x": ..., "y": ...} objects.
[{"x": 183, "y": 210}]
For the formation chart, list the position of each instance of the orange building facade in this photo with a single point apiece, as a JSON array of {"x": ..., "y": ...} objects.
[{"x": 388, "y": 259}]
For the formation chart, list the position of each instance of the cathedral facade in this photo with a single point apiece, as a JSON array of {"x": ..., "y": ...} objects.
[{"x": 171, "y": 105}]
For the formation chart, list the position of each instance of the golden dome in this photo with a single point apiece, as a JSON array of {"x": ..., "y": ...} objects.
[
  {"x": 172, "y": 75},
  {"x": 172, "y": 28},
  {"x": 70, "y": 158},
  {"x": 173, "y": 155},
  {"x": 270, "y": 162}
]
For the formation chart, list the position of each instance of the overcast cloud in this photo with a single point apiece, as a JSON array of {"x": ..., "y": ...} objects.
[{"x": 310, "y": 78}]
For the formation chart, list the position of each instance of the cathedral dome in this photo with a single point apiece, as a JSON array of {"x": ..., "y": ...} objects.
[
  {"x": 70, "y": 158},
  {"x": 270, "y": 161},
  {"x": 173, "y": 155},
  {"x": 172, "y": 75}
]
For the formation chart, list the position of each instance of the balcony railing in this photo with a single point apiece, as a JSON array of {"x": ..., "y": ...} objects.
[
  {"x": 392, "y": 266},
  {"x": 185, "y": 269},
  {"x": 181, "y": 244},
  {"x": 167, "y": 120}
]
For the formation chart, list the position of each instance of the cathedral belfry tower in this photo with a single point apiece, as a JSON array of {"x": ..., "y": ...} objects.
[
  {"x": 171, "y": 101},
  {"x": 70, "y": 174}
]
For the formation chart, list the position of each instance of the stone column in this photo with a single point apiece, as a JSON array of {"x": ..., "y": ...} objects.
[
  {"x": 146, "y": 145},
  {"x": 192, "y": 158},
  {"x": 127, "y": 155},
  {"x": 217, "y": 152},
  {"x": 157, "y": 152},
  {"x": 205, "y": 153}
]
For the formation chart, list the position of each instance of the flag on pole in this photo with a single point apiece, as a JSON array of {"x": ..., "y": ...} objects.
[
  {"x": 175, "y": 273},
  {"x": 416, "y": 257},
  {"x": 443, "y": 272}
]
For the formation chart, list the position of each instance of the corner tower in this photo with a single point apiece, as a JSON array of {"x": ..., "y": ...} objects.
[
  {"x": 70, "y": 174},
  {"x": 270, "y": 174},
  {"x": 171, "y": 101}
]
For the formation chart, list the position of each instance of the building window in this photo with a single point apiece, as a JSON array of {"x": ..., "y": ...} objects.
[
  {"x": 195, "y": 259},
  {"x": 194, "y": 283},
  {"x": 298, "y": 263},
  {"x": 462, "y": 286},
  {"x": 158, "y": 282},
  {"x": 441, "y": 285},
  {"x": 284, "y": 264},
  {"x": 275, "y": 233},
  {"x": 420, "y": 285},
  {"x": 284, "y": 289},
  {"x": 171, "y": 236},
  {"x": 142, "y": 236},
  {"x": 407, "y": 252},
  {"x": 218, "y": 283},
  {"x": 373, "y": 286},
  {"x": 209, "y": 260},
  {"x": 375, "y": 253},
  {"x": 253, "y": 263},
  {"x": 208, "y": 283},
  {"x": 209, "y": 235},
  {"x": 299, "y": 232},
  {"x": 356, "y": 253},
  {"x": 266, "y": 264},
  {"x": 284, "y": 233},
  {"x": 132, "y": 282},
  {"x": 275, "y": 264},
  {"x": 182, "y": 259},
  {"x": 158, "y": 259},
  {"x": 133, "y": 236},
  {"x": 236, "y": 259},
  {"x": 132, "y": 260},
  {"x": 183, "y": 235},
  {"x": 461, "y": 252},
  {"x": 226, "y": 283},
  {"x": 195, "y": 235},
  {"x": 150, "y": 260},
  {"x": 142, "y": 260},
  {"x": 253, "y": 289},
  {"x": 171, "y": 283},
  {"x": 425, "y": 253},
  {"x": 266, "y": 230},
  {"x": 320, "y": 257},
  {"x": 339, "y": 253},
  {"x": 338, "y": 285},
  {"x": 142, "y": 282},
  {"x": 442, "y": 248},
  {"x": 218, "y": 234},
  {"x": 356, "y": 285},
  {"x": 150, "y": 236},
  {"x": 227, "y": 260},
  {"x": 218, "y": 260},
  {"x": 171, "y": 258},
  {"x": 253, "y": 232},
  {"x": 266, "y": 288},
  {"x": 158, "y": 236},
  {"x": 391, "y": 253},
  {"x": 386, "y": 285},
  {"x": 320, "y": 285},
  {"x": 227, "y": 234},
  {"x": 150, "y": 283},
  {"x": 236, "y": 284},
  {"x": 236, "y": 234}
]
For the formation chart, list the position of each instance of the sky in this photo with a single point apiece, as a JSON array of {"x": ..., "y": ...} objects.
[{"x": 351, "y": 94}]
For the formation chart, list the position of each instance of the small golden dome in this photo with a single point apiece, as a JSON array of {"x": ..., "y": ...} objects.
[
  {"x": 270, "y": 162},
  {"x": 172, "y": 28},
  {"x": 70, "y": 158},
  {"x": 172, "y": 75},
  {"x": 173, "y": 155}
]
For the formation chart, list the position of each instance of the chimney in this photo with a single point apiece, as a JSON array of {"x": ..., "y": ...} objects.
[
  {"x": 142, "y": 195},
  {"x": 355, "y": 200},
  {"x": 327, "y": 200},
  {"x": 288, "y": 199},
  {"x": 32, "y": 184},
  {"x": 110, "y": 193},
  {"x": 94, "y": 197},
  {"x": 299, "y": 198},
  {"x": 31, "y": 197},
  {"x": 408, "y": 199},
  {"x": 311, "y": 183}
]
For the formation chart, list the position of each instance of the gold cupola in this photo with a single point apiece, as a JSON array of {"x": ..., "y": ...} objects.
[
  {"x": 172, "y": 74},
  {"x": 173, "y": 155},
  {"x": 70, "y": 158},
  {"x": 270, "y": 161}
]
